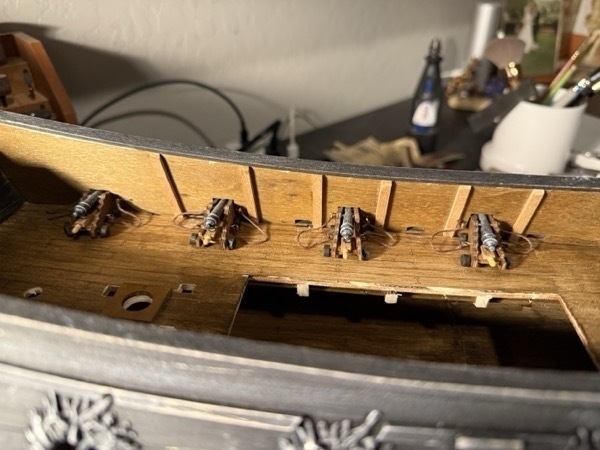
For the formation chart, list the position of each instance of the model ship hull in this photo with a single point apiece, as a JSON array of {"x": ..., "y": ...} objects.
[{"x": 230, "y": 388}]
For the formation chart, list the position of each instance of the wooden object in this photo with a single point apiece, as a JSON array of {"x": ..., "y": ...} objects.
[
  {"x": 25, "y": 52},
  {"x": 140, "y": 302},
  {"x": 479, "y": 254},
  {"x": 82, "y": 158},
  {"x": 529, "y": 209},
  {"x": 97, "y": 221},
  {"x": 198, "y": 377},
  {"x": 344, "y": 244},
  {"x": 383, "y": 202},
  {"x": 457, "y": 209},
  {"x": 227, "y": 217}
]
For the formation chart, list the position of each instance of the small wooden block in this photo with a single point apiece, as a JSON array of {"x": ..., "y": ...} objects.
[
  {"x": 391, "y": 298},
  {"x": 303, "y": 290},
  {"x": 482, "y": 301}
]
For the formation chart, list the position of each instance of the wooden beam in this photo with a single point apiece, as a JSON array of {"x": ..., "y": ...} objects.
[
  {"x": 529, "y": 208},
  {"x": 383, "y": 202},
  {"x": 163, "y": 172},
  {"x": 318, "y": 187},
  {"x": 249, "y": 191},
  {"x": 458, "y": 207},
  {"x": 172, "y": 184}
]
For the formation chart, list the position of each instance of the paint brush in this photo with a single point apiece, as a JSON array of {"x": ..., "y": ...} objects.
[
  {"x": 586, "y": 87},
  {"x": 567, "y": 70},
  {"x": 507, "y": 53}
]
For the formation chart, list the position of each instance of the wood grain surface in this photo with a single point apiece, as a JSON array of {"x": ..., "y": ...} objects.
[{"x": 49, "y": 167}]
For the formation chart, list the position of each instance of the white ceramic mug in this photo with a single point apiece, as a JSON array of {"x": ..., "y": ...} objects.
[{"x": 532, "y": 139}]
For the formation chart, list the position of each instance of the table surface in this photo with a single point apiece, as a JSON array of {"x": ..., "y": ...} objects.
[{"x": 392, "y": 122}]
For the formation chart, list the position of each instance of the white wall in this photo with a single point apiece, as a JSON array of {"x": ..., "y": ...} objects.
[{"x": 331, "y": 58}]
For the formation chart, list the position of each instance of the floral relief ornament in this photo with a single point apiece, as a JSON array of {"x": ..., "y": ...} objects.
[
  {"x": 338, "y": 435},
  {"x": 79, "y": 423}
]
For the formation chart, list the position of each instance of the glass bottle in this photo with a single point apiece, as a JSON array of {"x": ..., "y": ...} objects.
[{"x": 427, "y": 100}]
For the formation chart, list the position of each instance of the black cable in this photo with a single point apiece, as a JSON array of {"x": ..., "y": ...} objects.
[
  {"x": 152, "y": 112},
  {"x": 152, "y": 85},
  {"x": 272, "y": 130}
]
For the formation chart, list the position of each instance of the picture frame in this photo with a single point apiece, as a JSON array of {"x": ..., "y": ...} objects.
[
  {"x": 580, "y": 19},
  {"x": 539, "y": 24}
]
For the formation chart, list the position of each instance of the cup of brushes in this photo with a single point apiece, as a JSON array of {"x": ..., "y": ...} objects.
[
  {"x": 533, "y": 138},
  {"x": 534, "y": 133}
]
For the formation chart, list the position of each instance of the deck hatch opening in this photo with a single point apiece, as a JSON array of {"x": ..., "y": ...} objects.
[{"x": 425, "y": 327}]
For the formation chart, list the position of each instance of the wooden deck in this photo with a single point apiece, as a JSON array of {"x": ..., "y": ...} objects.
[
  {"x": 75, "y": 273},
  {"x": 51, "y": 168}
]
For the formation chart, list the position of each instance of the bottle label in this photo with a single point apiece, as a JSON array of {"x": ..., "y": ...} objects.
[{"x": 426, "y": 113}]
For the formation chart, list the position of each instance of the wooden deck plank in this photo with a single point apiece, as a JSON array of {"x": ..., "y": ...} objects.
[
  {"x": 74, "y": 273},
  {"x": 47, "y": 167}
]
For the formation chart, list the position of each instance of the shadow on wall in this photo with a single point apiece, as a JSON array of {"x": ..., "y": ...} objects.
[
  {"x": 88, "y": 72},
  {"x": 96, "y": 72}
]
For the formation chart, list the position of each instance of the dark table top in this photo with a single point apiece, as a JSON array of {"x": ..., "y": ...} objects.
[{"x": 390, "y": 123}]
